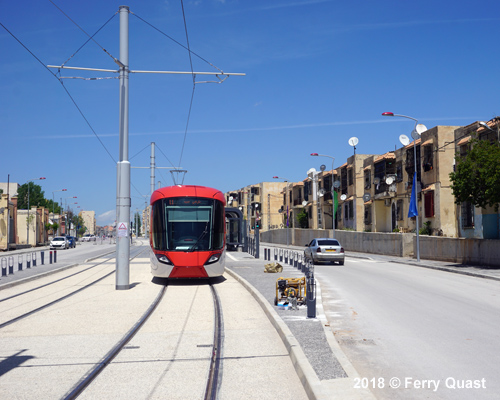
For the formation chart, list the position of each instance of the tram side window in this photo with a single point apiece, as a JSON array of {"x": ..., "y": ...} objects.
[
  {"x": 219, "y": 225},
  {"x": 158, "y": 227}
]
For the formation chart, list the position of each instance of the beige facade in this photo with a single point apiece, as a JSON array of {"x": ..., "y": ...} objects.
[
  {"x": 7, "y": 226},
  {"x": 259, "y": 203},
  {"x": 373, "y": 191},
  {"x": 89, "y": 221}
]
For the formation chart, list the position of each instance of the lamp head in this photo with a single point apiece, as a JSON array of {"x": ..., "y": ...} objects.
[
  {"x": 388, "y": 114},
  {"x": 275, "y": 177},
  {"x": 314, "y": 154}
]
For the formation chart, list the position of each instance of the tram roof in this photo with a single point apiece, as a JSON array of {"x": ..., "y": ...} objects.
[{"x": 187, "y": 191}]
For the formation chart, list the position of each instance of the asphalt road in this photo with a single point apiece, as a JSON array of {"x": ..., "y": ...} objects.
[{"x": 433, "y": 334}]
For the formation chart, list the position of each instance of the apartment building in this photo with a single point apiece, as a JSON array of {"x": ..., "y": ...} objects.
[
  {"x": 89, "y": 221},
  {"x": 260, "y": 204},
  {"x": 475, "y": 222}
]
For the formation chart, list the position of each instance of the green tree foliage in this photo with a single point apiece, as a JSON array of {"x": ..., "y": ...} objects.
[
  {"x": 36, "y": 195},
  {"x": 477, "y": 175},
  {"x": 37, "y": 198},
  {"x": 302, "y": 219},
  {"x": 137, "y": 224}
]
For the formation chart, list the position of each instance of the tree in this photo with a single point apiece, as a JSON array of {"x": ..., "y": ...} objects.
[
  {"x": 137, "y": 224},
  {"x": 303, "y": 219},
  {"x": 36, "y": 195},
  {"x": 477, "y": 175}
]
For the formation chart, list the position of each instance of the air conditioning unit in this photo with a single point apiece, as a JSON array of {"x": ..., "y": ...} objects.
[{"x": 387, "y": 202}]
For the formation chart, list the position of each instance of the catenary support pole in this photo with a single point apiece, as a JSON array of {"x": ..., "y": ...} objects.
[{"x": 123, "y": 167}]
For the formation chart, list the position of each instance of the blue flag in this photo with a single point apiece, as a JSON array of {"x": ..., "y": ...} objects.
[{"x": 413, "y": 211}]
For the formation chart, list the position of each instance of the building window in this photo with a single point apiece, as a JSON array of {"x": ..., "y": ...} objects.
[
  {"x": 368, "y": 180},
  {"x": 428, "y": 158},
  {"x": 349, "y": 210},
  {"x": 399, "y": 171},
  {"x": 343, "y": 180},
  {"x": 467, "y": 215},
  {"x": 400, "y": 210},
  {"x": 429, "y": 204},
  {"x": 350, "y": 177},
  {"x": 410, "y": 165},
  {"x": 368, "y": 214}
]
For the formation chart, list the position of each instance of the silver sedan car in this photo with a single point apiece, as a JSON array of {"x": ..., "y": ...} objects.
[{"x": 325, "y": 250}]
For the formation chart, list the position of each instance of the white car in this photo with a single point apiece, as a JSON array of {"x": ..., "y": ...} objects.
[{"x": 59, "y": 242}]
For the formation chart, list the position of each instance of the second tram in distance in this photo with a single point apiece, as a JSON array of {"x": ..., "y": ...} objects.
[{"x": 187, "y": 232}]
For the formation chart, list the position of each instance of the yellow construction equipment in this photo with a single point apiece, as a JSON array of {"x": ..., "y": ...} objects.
[{"x": 290, "y": 288}]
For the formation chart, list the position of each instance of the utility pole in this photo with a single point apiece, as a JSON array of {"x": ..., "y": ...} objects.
[{"x": 123, "y": 201}]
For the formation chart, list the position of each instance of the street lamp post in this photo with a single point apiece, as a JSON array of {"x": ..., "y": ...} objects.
[
  {"x": 414, "y": 188},
  {"x": 28, "y": 229},
  {"x": 53, "y": 202},
  {"x": 333, "y": 194},
  {"x": 485, "y": 125},
  {"x": 287, "y": 216}
]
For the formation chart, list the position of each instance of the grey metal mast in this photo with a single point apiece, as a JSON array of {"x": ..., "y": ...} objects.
[
  {"x": 123, "y": 169},
  {"x": 123, "y": 201}
]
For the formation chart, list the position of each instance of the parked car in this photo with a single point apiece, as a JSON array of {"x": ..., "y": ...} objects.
[
  {"x": 88, "y": 238},
  {"x": 325, "y": 250},
  {"x": 71, "y": 241},
  {"x": 59, "y": 242}
]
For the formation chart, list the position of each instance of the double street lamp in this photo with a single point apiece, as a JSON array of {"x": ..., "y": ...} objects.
[
  {"x": 287, "y": 217},
  {"x": 28, "y": 230},
  {"x": 413, "y": 210},
  {"x": 333, "y": 194}
]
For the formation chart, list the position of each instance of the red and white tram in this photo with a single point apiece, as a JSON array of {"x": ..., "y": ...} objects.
[{"x": 187, "y": 232}]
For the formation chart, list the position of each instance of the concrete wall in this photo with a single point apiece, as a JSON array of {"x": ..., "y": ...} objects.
[{"x": 481, "y": 252}]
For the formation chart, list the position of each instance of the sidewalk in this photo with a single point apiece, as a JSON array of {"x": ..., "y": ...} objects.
[{"x": 319, "y": 361}]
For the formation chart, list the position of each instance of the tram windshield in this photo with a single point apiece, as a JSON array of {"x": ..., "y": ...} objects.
[{"x": 188, "y": 224}]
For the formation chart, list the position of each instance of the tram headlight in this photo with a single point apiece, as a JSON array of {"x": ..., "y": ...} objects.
[
  {"x": 164, "y": 259},
  {"x": 213, "y": 259}
]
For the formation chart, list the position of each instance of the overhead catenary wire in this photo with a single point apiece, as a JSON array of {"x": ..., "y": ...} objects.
[
  {"x": 194, "y": 85},
  {"x": 64, "y": 87},
  {"x": 90, "y": 37}
]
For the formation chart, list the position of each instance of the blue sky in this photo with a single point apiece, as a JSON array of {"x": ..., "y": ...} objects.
[{"x": 317, "y": 73}]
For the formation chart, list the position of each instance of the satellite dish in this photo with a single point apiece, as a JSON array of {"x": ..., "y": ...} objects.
[
  {"x": 256, "y": 205},
  {"x": 322, "y": 167},
  {"x": 336, "y": 184},
  {"x": 343, "y": 197},
  {"x": 321, "y": 192},
  {"x": 421, "y": 128},
  {"x": 304, "y": 203},
  {"x": 389, "y": 180},
  {"x": 418, "y": 131},
  {"x": 230, "y": 198},
  {"x": 353, "y": 141},
  {"x": 367, "y": 197},
  {"x": 376, "y": 181},
  {"x": 405, "y": 140}
]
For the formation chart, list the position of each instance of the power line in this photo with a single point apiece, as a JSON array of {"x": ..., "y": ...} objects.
[
  {"x": 64, "y": 87},
  {"x": 90, "y": 37}
]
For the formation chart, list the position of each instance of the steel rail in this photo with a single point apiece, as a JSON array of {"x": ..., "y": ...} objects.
[
  {"x": 94, "y": 372},
  {"x": 215, "y": 362}
]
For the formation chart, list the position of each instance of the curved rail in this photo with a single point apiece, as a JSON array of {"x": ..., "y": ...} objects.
[
  {"x": 89, "y": 378},
  {"x": 215, "y": 370}
]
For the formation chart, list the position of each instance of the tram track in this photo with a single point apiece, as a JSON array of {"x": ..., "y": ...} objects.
[
  {"x": 213, "y": 359},
  {"x": 62, "y": 298}
]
